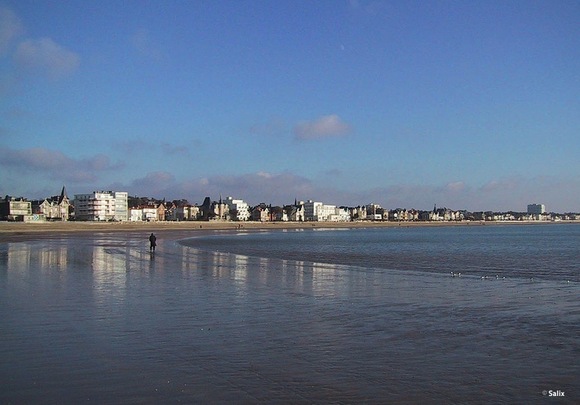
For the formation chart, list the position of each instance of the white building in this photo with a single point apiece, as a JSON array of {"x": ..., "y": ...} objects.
[
  {"x": 239, "y": 207},
  {"x": 311, "y": 210},
  {"x": 317, "y": 211},
  {"x": 295, "y": 212},
  {"x": 136, "y": 215},
  {"x": 13, "y": 209},
  {"x": 121, "y": 206},
  {"x": 536, "y": 209},
  {"x": 187, "y": 213},
  {"x": 339, "y": 215},
  {"x": 373, "y": 212},
  {"x": 150, "y": 214},
  {"x": 102, "y": 206}
]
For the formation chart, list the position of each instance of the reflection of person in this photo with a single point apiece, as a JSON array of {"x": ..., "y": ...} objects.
[{"x": 152, "y": 242}]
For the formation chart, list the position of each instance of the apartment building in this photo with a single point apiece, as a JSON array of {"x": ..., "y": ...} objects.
[
  {"x": 536, "y": 209},
  {"x": 15, "y": 209},
  {"x": 102, "y": 206},
  {"x": 317, "y": 211},
  {"x": 239, "y": 209}
]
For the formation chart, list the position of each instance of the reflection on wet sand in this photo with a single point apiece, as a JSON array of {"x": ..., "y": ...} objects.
[
  {"x": 20, "y": 256},
  {"x": 309, "y": 278},
  {"x": 101, "y": 319},
  {"x": 113, "y": 265}
]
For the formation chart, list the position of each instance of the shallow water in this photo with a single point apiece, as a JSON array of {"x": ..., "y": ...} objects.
[
  {"x": 542, "y": 251},
  {"x": 99, "y": 319}
]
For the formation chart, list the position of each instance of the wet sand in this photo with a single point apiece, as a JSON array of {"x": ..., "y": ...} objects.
[
  {"x": 92, "y": 316},
  {"x": 19, "y": 231}
]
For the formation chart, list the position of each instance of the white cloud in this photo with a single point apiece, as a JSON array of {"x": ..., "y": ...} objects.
[
  {"x": 46, "y": 56},
  {"x": 503, "y": 185},
  {"x": 33, "y": 56},
  {"x": 327, "y": 126},
  {"x": 10, "y": 28},
  {"x": 264, "y": 175},
  {"x": 282, "y": 188},
  {"x": 23, "y": 168},
  {"x": 51, "y": 164},
  {"x": 456, "y": 186},
  {"x": 275, "y": 188},
  {"x": 505, "y": 194}
]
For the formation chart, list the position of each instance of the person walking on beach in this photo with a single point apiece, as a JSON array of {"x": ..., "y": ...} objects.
[{"x": 152, "y": 243}]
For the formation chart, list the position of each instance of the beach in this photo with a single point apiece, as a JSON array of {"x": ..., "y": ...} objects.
[
  {"x": 13, "y": 231},
  {"x": 20, "y": 231},
  {"x": 90, "y": 315}
]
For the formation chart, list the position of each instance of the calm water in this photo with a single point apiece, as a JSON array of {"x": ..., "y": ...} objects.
[
  {"x": 295, "y": 317},
  {"x": 549, "y": 252}
]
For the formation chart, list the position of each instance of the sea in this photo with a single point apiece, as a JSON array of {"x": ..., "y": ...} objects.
[{"x": 472, "y": 314}]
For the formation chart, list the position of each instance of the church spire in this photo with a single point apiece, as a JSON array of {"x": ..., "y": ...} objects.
[{"x": 62, "y": 195}]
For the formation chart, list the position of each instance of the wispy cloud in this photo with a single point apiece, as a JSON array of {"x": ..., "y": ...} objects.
[
  {"x": 371, "y": 7},
  {"x": 455, "y": 187},
  {"x": 10, "y": 28},
  {"x": 54, "y": 164},
  {"x": 283, "y": 188},
  {"x": 271, "y": 127},
  {"x": 170, "y": 149},
  {"x": 505, "y": 194},
  {"x": 333, "y": 173},
  {"x": 165, "y": 148},
  {"x": 275, "y": 188},
  {"x": 42, "y": 56},
  {"x": 327, "y": 126},
  {"x": 47, "y": 57},
  {"x": 143, "y": 44},
  {"x": 156, "y": 183}
]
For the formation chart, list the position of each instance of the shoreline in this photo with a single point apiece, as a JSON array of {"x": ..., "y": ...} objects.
[{"x": 20, "y": 231}]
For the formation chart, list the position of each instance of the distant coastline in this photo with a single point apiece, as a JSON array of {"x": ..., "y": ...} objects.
[{"x": 19, "y": 231}]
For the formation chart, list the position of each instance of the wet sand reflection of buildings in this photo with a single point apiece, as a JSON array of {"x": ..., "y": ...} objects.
[
  {"x": 23, "y": 256},
  {"x": 116, "y": 265},
  {"x": 248, "y": 271},
  {"x": 28, "y": 255}
]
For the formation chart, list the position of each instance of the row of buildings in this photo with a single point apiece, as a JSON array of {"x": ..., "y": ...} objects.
[{"x": 118, "y": 206}]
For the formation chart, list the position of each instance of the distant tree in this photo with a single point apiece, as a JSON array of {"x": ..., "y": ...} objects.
[
  {"x": 276, "y": 212},
  {"x": 180, "y": 203}
]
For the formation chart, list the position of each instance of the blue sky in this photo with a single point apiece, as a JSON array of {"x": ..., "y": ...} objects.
[{"x": 466, "y": 104}]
